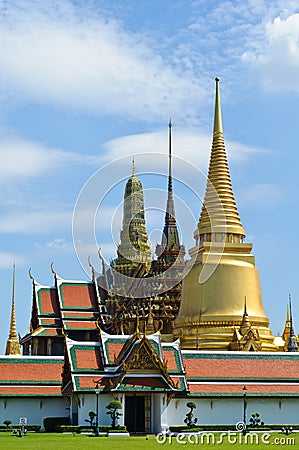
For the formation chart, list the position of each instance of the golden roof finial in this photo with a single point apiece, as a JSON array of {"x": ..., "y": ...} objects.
[
  {"x": 219, "y": 212},
  {"x": 133, "y": 166},
  {"x": 12, "y": 345},
  {"x": 217, "y": 114},
  {"x": 245, "y": 324}
]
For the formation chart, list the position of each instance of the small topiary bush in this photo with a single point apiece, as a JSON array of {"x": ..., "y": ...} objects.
[
  {"x": 190, "y": 420},
  {"x": 67, "y": 429},
  {"x": 50, "y": 423},
  {"x": 113, "y": 408},
  {"x": 7, "y": 422},
  {"x": 255, "y": 421},
  {"x": 108, "y": 428}
]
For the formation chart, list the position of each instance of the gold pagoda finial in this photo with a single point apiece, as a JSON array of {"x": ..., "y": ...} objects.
[
  {"x": 219, "y": 212},
  {"x": 12, "y": 345},
  {"x": 245, "y": 324},
  {"x": 217, "y": 114},
  {"x": 133, "y": 166}
]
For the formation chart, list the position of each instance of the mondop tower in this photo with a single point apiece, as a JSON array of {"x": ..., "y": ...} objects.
[{"x": 221, "y": 306}]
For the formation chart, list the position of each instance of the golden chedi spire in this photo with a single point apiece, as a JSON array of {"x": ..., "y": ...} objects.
[
  {"x": 223, "y": 268},
  {"x": 219, "y": 204},
  {"x": 12, "y": 344}
]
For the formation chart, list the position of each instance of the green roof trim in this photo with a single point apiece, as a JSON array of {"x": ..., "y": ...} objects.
[
  {"x": 30, "y": 382},
  {"x": 32, "y": 395},
  {"x": 237, "y": 379},
  {"x": 73, "y": 355},
  {"x": 39, "y": 301},
  {"x": 155, "y": 346},
  {"x": 177, "y": 358},
  {"x": 77, "y": 307},
  {"x": 240, "y": 395},
  {"x": 112, "y": 341},
  {"x": 25, "y": 360},
  {"x": 253, "y": 356},
  {"x": 79, "y": 388}
]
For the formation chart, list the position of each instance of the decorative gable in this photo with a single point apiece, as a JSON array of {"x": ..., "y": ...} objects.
[{"x": 143, "y": 359}]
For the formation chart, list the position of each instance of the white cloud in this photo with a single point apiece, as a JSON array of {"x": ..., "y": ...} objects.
[
  {"x": 62, "y": 55},
  {"x": 264, "y": 195},
  {"x": 21, "y": 159},
  {"x": 277, "y": 57},
  {"x": 37, "y": 221},
  {"x": 189, "y": 144},
  {"x": 7, "y": 259}
]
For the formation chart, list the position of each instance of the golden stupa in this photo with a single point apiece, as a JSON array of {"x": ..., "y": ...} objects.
[
  {"x": 222, "y": 272},
  {"x": 12, "y": 344}
]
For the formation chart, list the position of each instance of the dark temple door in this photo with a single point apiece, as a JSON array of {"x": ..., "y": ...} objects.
[{"x": 135, "y": 413}]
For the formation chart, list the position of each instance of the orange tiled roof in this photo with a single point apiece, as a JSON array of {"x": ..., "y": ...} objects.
[
  {"x": 79, "y": 324},
  {"x": 30, "y": 371},
  {"x": 77, "y": 295},
  {"x": 30, "y": 390},
  {"x": 113, "y": 349},
  {"x": 89, "y": 382},
  {"x": 47, "y": 301},
  {"x": 88, "y": 359},
  {"x": 241, "y": 366},
  {"x": 230, "y": 388},
  {"x": 79, "y": 315},
  {"x": 30, "y": 375}
]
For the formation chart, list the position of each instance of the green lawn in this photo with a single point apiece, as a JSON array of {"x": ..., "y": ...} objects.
[{"x": 44, "y": 441}]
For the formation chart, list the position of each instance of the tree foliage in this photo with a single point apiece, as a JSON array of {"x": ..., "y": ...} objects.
[
  {"x": 190, "y": 420},
  {"x": 113, "y": 408},
  {"x": 92, "y": 415},
  {"x": 255, "y": 421}
]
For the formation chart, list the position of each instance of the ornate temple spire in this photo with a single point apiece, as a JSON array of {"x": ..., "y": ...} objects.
[
  {"x": 223, "y": 271},
  {"x": 292, "y": 342},
  {"x": 134, "y": 248},
  {"x": 12, "y": 345},
  {"x": 219, "y": 213},
  {"x": 170, "y": 237},
  {"x": 245, "y": 324},
  {"x": 287, "y": 327}
]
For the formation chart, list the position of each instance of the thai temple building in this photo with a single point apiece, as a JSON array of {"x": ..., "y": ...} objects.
[{"x": 157, "y": 332}]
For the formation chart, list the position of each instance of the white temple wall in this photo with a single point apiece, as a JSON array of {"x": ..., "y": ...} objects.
[
  {"x": 34, "y": 408},
  {"x": 221, "y": 410},
  {"x": 87, "y": 402}
]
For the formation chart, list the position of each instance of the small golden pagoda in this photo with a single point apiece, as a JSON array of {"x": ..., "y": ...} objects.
[
  {"x": 12, "y": 344},
  {"x": 223, "y": 270}
]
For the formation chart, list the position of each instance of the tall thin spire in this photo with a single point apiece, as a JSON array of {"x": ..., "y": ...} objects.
[
  {"x": 12, "y": 345},
  {"x": 169, "y": 159},
  {"x": 219, "y": 212},
  {"x": 217, "y": 113},
  {"x": 133, "y": 166},
  {"x": 292, "y": 342},
  {"x": 170, "y": 237}
]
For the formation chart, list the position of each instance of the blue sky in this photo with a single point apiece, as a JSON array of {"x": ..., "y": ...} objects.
[{"x": 84, "y": 83}]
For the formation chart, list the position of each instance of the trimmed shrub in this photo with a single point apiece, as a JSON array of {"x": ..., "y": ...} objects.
[
  {"x": 184, "y": 429},
  {"x": 50, "y": 423},
  {"x": 108, "y": 428},
  {"x": 29, "y": 427},
  {"x": 67, "y": 429},
  {"x": 7, "y": 422}
]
